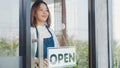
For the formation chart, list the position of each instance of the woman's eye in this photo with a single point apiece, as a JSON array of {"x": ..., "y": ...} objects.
[{"x": 43, "y": 10}]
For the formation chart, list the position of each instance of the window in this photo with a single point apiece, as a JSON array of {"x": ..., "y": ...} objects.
[
  {"x": 9, "y": 28},
  {"x": 116, "y": 33},
  {"x": 77, "y": 29},
  {"x": 9, "y": 34},
  {"x": 70, "y": 20}
]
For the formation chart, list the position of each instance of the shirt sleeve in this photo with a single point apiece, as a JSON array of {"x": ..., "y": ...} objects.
[
  {"x": 55, "y": 38},
  {"x": 34, "y": 44}
]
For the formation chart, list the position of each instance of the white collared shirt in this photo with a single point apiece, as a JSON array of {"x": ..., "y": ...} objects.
[{"x": 43, "y": 33}]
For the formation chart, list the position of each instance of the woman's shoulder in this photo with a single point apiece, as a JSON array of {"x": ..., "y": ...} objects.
[{"x": 32, "y": 29}]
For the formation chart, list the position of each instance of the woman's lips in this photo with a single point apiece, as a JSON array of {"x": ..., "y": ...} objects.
[{"x": 44, "y": 16}]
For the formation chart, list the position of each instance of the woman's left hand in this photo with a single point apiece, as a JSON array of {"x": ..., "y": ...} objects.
[{"x": 45, "y": 63}]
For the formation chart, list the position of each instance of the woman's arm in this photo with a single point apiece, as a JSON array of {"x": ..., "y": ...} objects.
[{"x": 34, "y": 44}]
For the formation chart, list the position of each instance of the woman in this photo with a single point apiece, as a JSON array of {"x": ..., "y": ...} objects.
[{"x": 40, "y": 23}]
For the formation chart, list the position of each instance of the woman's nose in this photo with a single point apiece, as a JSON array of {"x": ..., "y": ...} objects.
[{"x": 45, "y": 12}]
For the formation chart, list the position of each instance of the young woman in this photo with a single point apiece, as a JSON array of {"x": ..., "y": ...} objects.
[{"x": 40, "y": 28}]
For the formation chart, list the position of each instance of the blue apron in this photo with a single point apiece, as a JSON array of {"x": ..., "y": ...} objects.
[{"x": 47, "y": 42}]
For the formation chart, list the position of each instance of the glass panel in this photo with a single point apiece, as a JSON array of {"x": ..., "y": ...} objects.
[
  {"x": 9, "y": 28},
  {"x": 71, "y": 27},
  {"x": 69, "y": 21},
  {"x": 77, "y": 29},
  {"x": 10, "y": 62},
  {"x": 116, "y": 32},
  {"x": 9, "y": 34}
]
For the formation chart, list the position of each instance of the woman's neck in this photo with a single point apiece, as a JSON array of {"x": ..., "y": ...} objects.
[{"x": 41, "y": 23}]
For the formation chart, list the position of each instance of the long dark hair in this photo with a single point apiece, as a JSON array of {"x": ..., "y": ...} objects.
[{"x": 33, "y": 11}]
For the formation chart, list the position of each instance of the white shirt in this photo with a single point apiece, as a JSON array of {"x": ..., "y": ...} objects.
[{"x": 43, "y": 33}]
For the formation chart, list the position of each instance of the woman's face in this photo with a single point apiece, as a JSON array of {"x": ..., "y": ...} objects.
[{"x": 42, "y": 13}]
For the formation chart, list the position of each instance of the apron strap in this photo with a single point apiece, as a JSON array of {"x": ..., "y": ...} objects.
[
  {"x": 49, "y": 31},
  {"x": 36, "y": 55}
]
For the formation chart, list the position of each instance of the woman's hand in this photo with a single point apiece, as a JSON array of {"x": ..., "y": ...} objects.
[
  {"x": 36, "y": 63},
  {"x": 45, "y": 65}
]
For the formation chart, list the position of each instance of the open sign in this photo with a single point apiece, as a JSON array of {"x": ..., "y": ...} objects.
[{"x": 61, "y": 57}]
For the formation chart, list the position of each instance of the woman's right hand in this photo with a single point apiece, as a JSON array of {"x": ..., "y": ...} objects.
[{"x": 44, "y": 65}]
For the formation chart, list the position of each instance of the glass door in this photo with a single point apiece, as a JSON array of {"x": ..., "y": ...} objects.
[
  {"x": 69, "y": 21},
  {"x": 77, "y": 30}
]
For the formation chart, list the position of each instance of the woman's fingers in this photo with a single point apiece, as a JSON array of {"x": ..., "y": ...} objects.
[
  {"x": 36, "y": 61},
  {"x": 45, "y": 62}
]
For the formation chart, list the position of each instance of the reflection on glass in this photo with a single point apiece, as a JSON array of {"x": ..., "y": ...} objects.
[
  {"x": 116, "y": 33},
  {"x": 9, "y": 28}
]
